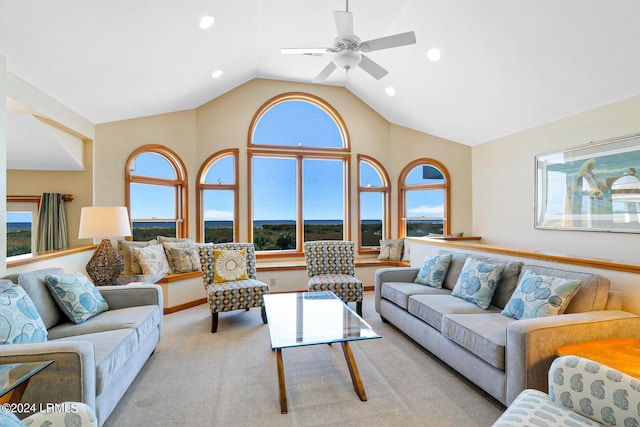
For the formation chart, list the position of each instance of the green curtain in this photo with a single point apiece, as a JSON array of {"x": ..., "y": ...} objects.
[{"x": 52, "y": 223}]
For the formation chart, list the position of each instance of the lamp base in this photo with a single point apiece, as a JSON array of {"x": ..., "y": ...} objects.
[{"x": 105, "y": 265}]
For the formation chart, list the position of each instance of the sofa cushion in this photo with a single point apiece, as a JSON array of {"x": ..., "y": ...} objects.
[
  {"x": 433, "y": 270},
  {"x": 540, "y": 296},
  {"x": 477, "y": 281},
  {"x": 391, "y": 249},
  {"x": 455, "y": 267},
  {"x": 399, "y": 292},
  {"x": 19, "y": 319},
  {"x": 35, "y": 286},
  {"x": 483, "y": 334},
  {"x": 142, "y": 319},
  {"x": 76, "y": 296},
  {"x": 152, "y": 259},
  {"x": 431, "y": 308},
  {"x": 593, "y": 292},
  {"x": 113, "y": 349},
  {"x": 182, "y": 257}
]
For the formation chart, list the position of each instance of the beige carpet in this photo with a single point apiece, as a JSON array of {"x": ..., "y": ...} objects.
[{"x": 229, "y": 378}]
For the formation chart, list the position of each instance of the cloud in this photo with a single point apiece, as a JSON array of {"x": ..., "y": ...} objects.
[
  {"x": 427, "y": 211},
  {"x": 214, "y": 215}
]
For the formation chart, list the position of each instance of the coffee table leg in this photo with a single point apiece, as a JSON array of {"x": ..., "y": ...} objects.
[
  {"x": 353, "y": 370},
  {"x": 283, "y": 387}
]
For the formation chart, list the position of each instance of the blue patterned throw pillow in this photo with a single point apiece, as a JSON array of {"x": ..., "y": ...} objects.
[
  {"x": 434, "y": 270},
  {"x": 20, "y": 322},
  {"x": 477, "y": 282},
  {"x": 540, "y": 296},
  {"x": 76, "y": 296}
]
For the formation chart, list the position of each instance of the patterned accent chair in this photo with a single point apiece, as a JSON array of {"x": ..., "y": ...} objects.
[
  {"x": 331, "y": 267},
  {"x": 581, "y": 393},
  {"x": 233, "y": 294}
]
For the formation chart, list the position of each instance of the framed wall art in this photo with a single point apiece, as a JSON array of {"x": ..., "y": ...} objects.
[{"x": 595, "y": 187}]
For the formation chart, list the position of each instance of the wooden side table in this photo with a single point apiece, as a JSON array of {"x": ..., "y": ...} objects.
[{"x": 622, "y": 354}]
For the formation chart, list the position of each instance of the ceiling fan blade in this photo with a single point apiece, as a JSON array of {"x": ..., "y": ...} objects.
[
  {"x": 344, "y": 23},
  {"x": 376, "y": 71},
  {"x": 325, "y": 73},
  {"x": 396, "y": 40},
  {"x": 304, "y": 50}
]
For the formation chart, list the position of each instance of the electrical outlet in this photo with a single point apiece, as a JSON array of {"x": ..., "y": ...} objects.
[{"x": 272, "y": 281}]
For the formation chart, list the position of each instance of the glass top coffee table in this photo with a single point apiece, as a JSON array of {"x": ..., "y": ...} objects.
[
  {"x": 14, "y": 378},
  {"x": 310, "y": 318}
]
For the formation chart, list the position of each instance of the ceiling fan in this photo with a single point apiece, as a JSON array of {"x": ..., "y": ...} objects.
[{"x": 347, "y": 48}]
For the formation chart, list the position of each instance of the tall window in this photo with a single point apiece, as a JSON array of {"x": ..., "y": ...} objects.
[
  {"x": 22, "y": 217},
  {"x": 217, "y": 198},
  {"x": 423, "y": 199},
  {"x": 298, "y": 168},
  {"x": 156, "y": 192},
  {"x": 373, "y": 208}
]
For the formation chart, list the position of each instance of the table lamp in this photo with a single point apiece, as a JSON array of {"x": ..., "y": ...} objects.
[{"x": 103, "y": 222}]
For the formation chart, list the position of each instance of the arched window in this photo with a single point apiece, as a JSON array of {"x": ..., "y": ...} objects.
[
  {"x": 217, "y": 198},
  {"x": 373, "y": 204},
  {"x": 423, "y": 199},
  {"x": 298, "y": 174},
  {"x": 156, "y": 193}
]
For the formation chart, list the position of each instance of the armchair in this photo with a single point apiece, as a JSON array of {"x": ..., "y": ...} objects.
[
  {"x": 331, "y": 267},
  {"x": 581, "y": 393},
  {"x": 229, "y": 273}
]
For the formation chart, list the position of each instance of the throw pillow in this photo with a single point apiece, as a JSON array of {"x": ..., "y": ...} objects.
[
  {"x": 540, "y": 296},
  {"x": 77, "y": 296},
  {"x": 434, "y": 270},
  {"x": 20, "y": 322},
  {"x": 179, "y": 245},
  {"x": 477, "y": 282},
  {"x": 406, "y": 250},
  {"x": 131, "y": 265},
  {"x": 391, "y": 249},
  {"x": 229, "y": 265},
  {"x": 185, "y": 260},
  {"x": 152, "y": 259}
]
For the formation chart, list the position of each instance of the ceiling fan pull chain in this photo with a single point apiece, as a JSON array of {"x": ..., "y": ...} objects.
[{"x": 347, "y": 5}]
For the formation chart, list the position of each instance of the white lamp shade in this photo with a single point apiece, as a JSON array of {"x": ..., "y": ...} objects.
[{"x": 104, "y": 221}]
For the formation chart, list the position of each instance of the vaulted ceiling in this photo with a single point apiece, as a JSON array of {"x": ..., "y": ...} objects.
[{"x": 505, "y": 65}]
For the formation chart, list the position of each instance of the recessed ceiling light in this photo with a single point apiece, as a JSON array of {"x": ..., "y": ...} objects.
[
  {"x": 433, "y": 54},
  {"x": 207, "y": 21},
  {"x": 216, "y": 74},
  {"x": 390, "y": 91}
]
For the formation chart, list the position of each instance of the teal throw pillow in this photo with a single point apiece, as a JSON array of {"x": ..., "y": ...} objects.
[
  {"x": 9, "y": 419},
  {"x": 540, "y": 296},
  {"x": 76, "y": 296},
  {"x": 434, "y": 270},
  {"x": 477, "y": 282},
  {"x": 20, "y": 322}
]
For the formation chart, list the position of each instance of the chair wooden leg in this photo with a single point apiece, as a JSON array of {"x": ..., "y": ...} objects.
[
  {"x": 214, "y": 322},
  {"x": 359, "y": 308},
  {"x": 263, "y": 312}
]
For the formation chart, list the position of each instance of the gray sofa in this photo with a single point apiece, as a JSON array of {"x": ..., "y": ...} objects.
[
  {"x": 95, "y": 362},
  {"x": 501, "y": 355}
]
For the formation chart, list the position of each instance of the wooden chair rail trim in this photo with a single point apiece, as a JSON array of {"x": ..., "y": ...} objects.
[
  {"x": 565, "y": 259},
  {"x": 41, "y": 256}
]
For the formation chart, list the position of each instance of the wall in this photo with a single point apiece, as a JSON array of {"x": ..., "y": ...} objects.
[
  {"x": 78, "y": 183},
  {"x": 503, "y": 185}
]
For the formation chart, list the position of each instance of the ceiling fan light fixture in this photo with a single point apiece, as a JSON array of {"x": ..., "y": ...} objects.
[
  {"x": 206, "y": 22},
  {"x": 216, "y": 74},
  {"x": 347, "y": 59},
  {"x": 390, "y": 91}
]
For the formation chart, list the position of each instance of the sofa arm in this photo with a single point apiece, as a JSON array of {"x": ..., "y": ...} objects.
[
  {"x": 392, "y": 274},
  {"x": 71, "y": 376},
  {"x": 131, "y": 295},
  {"x": 532, "y": 343}
]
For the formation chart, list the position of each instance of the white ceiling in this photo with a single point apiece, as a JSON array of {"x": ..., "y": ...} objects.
[{"x": 506, "y": 65}]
